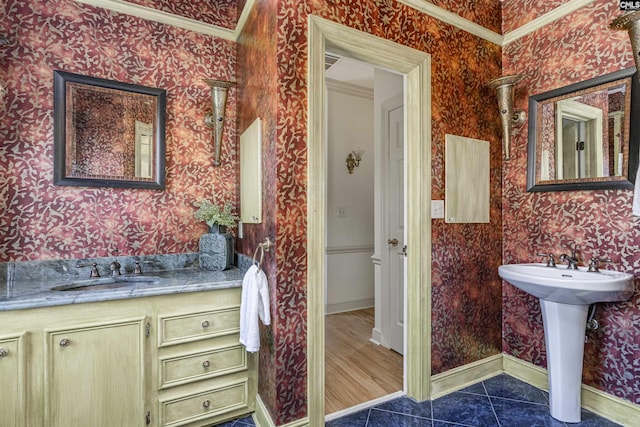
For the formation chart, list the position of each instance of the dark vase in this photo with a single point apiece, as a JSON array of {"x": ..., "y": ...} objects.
[{"x": 216, "y": 249}]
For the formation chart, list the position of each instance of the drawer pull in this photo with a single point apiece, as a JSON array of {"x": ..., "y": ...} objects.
[
  {"x": 206, "y": 364},
  {"x": 4, "y": 352},
  {"x": 206, "y": 404},
  {"x": 64, "y": 342},
  {"x": 205, "y": 324}
]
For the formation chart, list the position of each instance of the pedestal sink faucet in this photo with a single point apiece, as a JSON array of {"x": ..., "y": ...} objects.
[{"x": 572, "y": 260}]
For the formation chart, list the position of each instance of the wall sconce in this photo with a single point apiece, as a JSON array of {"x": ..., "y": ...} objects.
[
  {"x": 215, "y": 118},
  {"x": 509, "y": 116},
  {"x": 353, "y": 160},
  {"x": 630, "y": 22}
]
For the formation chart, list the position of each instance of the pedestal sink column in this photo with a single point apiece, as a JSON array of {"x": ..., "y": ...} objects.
[{"x": 564, "y": 331}]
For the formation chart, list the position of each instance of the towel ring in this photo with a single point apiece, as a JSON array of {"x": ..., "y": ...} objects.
[
  {"x": 266, "y": 245},
  {"x": 259, "y": 264}
]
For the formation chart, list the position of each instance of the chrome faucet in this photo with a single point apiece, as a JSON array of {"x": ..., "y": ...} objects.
[
  {"x": 551, "y": 259},
  {"x": 594, "y": 264},
  {"x": 94, "y": 269},
  {"x": 115, "y": 265},
  {"x": 572, "y": 260}
]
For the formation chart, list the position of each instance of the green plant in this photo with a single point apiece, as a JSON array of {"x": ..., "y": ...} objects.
[{"x": 214, "y": 214}]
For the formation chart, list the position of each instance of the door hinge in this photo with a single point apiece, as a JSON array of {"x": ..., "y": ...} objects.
[
  {"x": 148, "y": 418},
  {"x": 147, "y": 329},
  {"x": 404, "y": 250}
]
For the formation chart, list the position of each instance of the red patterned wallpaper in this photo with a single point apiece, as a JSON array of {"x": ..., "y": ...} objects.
[
  {"x": 516, "y": 13},
  {"x": 257, "y": 98},
  {"x": 486, "y": 13},
  {"x": 223, "y": 13},
  {"x": 467, "y": 289},
  {"x": 41, "y": 221},
  {"x": 575, "y": 48}
]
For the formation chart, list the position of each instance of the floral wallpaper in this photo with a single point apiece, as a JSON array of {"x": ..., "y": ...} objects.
[
  {"x": 466, "y": 287},
  {"x": 516, "y": 13},
  {"x": 223, "y": 13},
  {"x": 486, "y": 13},
  {"x": 257, "y": 86},
  {"x": 41, "y": 221},
  {"x": 577, "y": 47}
]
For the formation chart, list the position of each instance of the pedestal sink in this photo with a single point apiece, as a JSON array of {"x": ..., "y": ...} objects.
[{"x": 565, "y": 296}]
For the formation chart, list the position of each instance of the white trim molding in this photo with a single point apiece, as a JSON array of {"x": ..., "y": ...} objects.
[
  {"x": 155, "y": 15},
  {"x": 262, "y": 417},
  {"x": 333, "y": 250},
  {"x": 466, "y": 375},
  {"x": 349, "y": 89},
  {"x": 425, "y": 7},
  {"x": 597, "y": 401},
  {"x": 455, "y": 20},
  {"x": 544, "y": 20}
]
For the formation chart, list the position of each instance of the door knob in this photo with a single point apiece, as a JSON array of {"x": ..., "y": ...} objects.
[{"x": 393, "y": 242}]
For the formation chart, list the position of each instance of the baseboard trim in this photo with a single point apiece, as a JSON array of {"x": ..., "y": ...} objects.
[
  {"x": 597, "y": 401},
  {"x": 362, "y": 406},
  {"x": 262, "y": 417},
  {"x": 341, "y": 307},
  {"x": 463, "y": 376}
]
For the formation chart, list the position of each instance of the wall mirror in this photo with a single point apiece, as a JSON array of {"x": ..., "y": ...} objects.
[
  {"x": 585, "y": 135},
  {"x": 108, "y": 133}
]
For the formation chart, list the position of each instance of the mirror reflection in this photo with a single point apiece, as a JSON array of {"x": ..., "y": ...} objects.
[
  {"x": 579, "y": 136},
  {"x": 108, "y": 133}
]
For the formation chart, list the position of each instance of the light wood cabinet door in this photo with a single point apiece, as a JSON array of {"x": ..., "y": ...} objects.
[
  {"x": 12, "y": 380},
  {"x": 95, "y": 375}
]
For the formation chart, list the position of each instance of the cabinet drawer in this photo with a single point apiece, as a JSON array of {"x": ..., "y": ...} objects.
[
  {"x": 195, "y": 407},
  {"x": 198, "y": 326},
  {"x": 194, "y": 367}
]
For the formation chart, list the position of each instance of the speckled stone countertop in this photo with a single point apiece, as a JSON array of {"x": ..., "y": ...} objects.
[{"x": 29, "y": 284}]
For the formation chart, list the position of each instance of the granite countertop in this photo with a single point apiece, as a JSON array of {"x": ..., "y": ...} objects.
[{"x": 37, "y": 290}]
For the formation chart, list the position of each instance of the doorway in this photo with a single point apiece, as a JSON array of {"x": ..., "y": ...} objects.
[
  {"x": 415, "y": 65},
  {"x": 365, "y": 233}
]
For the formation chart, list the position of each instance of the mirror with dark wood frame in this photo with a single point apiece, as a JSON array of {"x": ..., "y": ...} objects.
[
  {"x": 108, "y": 133},
  {"x": 585, "y": 135}
]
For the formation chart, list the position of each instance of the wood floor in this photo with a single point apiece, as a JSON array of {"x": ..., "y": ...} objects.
[{"x": 356, "y": 370}]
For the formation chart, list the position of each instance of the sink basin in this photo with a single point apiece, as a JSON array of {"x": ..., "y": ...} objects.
[
  {"x": 565, "y": 296},
  {"x": 103, "y": 283},
  {"x": 566, "y": 286}
]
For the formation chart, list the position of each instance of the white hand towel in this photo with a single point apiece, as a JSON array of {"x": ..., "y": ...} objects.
[
  {"x": 635, "y": 210},
  {"x": 254, "y": 305}
]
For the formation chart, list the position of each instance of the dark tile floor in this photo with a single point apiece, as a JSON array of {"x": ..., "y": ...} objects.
[
  {"x": 241, "y": 422},
  {"x": 501, "y": 401}
]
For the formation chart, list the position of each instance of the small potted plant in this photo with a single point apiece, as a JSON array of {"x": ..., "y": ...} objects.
[
  {"x": 217, "y": 218},
  {"x": 216, "y": 246}
]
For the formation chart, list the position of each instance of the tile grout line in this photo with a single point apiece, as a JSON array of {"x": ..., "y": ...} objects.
[{"x": 491, "y": 404}]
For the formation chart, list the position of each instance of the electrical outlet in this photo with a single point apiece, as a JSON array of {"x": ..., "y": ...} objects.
[
  {"x": 437, "y": 209},
  {"x": 341, "y": 212}
]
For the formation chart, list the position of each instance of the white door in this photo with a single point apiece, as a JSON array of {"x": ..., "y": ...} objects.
[{"x": 395, "y": 225}]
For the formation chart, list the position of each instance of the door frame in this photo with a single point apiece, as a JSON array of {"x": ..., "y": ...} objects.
[{"x": 415, "y": 65}]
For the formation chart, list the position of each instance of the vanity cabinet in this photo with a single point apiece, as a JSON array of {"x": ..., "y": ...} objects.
[
  {"x": 204, "y": 374},
  {"x": 166, "y": 360},
  {"x": 95, "y": 375},
  {"x": 13, "y": 381}
]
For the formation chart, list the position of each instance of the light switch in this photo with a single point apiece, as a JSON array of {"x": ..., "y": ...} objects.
[{"x": 437, "y": 209}]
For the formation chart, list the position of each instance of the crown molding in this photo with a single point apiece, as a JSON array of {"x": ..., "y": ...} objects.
[
  {"x": 544, "y": 20},
  {"x": 165, "y": 18},
  {"x": 423, "y": 6},
  {"x": 455, "y": 20},
  {"x": 349, "y": 89}
]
